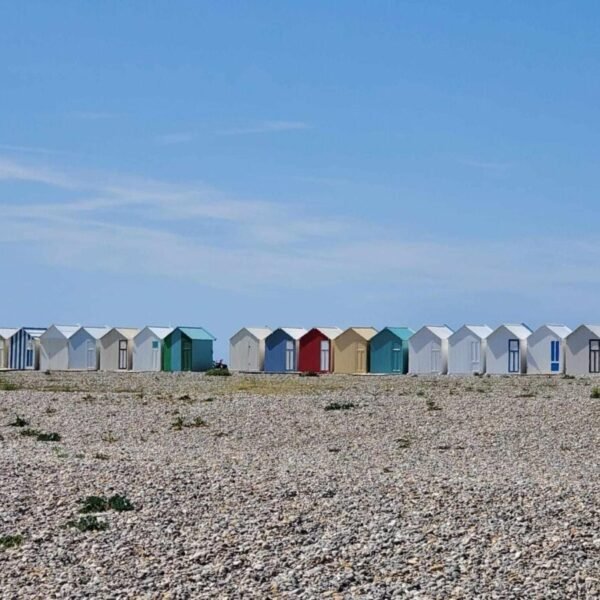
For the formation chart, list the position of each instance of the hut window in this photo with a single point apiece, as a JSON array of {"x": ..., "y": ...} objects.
[
  {"x": 123, "y": 354},
  {"x": 594, "y": 356},
  {"x": 29, "y": 355},
  {"x": 513, "y": 356}
]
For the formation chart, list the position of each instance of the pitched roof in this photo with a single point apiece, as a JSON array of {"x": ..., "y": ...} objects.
[
  {"x": 34, "y": 332},
  {"x": 562, "y": 331},
  {"x": 329, "y": 332},
  {"x": 441, "y": 331},
  {"x": 7, "y": 332},
  {"x": 67, "y": 330},
  {"x": 365, "y": 332},
  {"x": 519, "y": 331},
  {"x": 127, "y": 332},
  {"x": 160, "y": 332},
  {"x": 481, "y": 331},
  {"x": 294, "y": 332},
  {"x": 260, "y": 333},
  {"x": 595, "y": 329},
  {"x": 197, "y": 333},
  {"x": 404, "y": 333},
  {"x": 96, "y": 332}
]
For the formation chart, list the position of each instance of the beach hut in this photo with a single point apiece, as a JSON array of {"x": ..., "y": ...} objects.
[
  {"x": 188, "y": 349},
  {"x": 389, "y": 350},
  {"x": 281, "y": 350},
  {"x": 74, "y": 347},
  {"x": 351, "y": 350},
  {"x": 316, "y": 352},
  {"x": 247, "y": 349},
  {"x": 428, "y": 350},
  {"x": 5, "y": 335},
  {"x": 546, "y": 350},
  {"x": 116, "y": 349},
  {"x": 148, "y": 347},
  {"x": 466, "y": 350},
  {"x": 25, "y": 348},
  {"x": 582, "y": 350},
  {"x": 506, "y": 351}
]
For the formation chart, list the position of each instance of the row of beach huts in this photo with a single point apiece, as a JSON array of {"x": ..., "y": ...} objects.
[
  {"x": 66, "y": 347},
  {"x": 433, "y": 349}
]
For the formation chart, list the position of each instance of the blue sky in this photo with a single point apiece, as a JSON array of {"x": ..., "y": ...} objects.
[{"x": 314, "y": 163}]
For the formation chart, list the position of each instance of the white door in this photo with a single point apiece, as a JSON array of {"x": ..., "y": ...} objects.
[
  {"x": 91, "y": 355},
  {"x": 290, "y": 363},
  {"x": 2, "y": 354},
  {"x": 249, "y": 365},
  {"x": 436, "y": 359},
  {"x": 324, "y": 355},
  {"x": 155, "y": 355},
  {"x": 476, "y": 356}
]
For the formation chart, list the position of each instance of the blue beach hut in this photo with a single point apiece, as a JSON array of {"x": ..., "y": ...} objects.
[
  {"x": 281, "y": 350},
  {"x": 25, "y": 348},
  {"x": 389, "y": 350}
]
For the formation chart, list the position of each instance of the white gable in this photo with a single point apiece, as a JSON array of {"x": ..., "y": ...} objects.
[
  {"x": 329, "y": 332},
  {"x": 294, "y": 332},
  {"x": 160, "y": 332},
  {"x": 260, "y": 333}
]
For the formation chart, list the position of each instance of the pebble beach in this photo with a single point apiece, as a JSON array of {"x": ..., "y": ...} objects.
[{"x": 258, "y": 486}]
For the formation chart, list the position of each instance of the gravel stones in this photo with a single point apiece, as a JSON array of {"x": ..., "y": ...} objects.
[{"x": 495, "y": 495}]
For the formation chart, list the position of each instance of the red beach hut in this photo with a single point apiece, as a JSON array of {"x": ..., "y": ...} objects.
[{"x": 316, "y": 351}]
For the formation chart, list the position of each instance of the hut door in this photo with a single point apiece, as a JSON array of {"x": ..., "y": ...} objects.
[
  {"x": 29, "y": 355},
  {"x": 396, "y": 357},
  {"x": 436, "y": 359},
  {"x": 554, "y": 356},
  {"x": 324, "y": 355},
  {"x": 155, "y": 355},
  {"x": 360, "y": 359},
  {"x": 123, "y": 355},
  {"x": 1, "y": 354},
  {"x": 475, "y": 356},
  {"x": 514, "y": 356},
  {"x": 91, "y": 355},
  {"x": 594, "y": 356},
  {"x": 289, "y": 356},
  {"x": 249, "y": 365},
  {"x": 186, "y": 355}
]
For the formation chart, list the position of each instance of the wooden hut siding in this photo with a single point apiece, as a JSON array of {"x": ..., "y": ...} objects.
[
  {"x": 25, "y": 348},
  {"x": 582, "y": 351},
  {"x": 315, "y": 352},
  {"x": 389, "y": 350},
  {"x": 247, "y": 349},
  {"x": 5, "y": 335},
  {"x": 148, "y": 347},
  {"x": 467, "y": 350},
  {"x": 546, "y": 350},
  {"x": 281, "y": 350},
  {"x": 54, "y": 347},
  {"x": 506, "y": 352},
  {"x": 351, "y": 350},
  {"x": 428, "y": 350},
  {"x": 188, "y": 349},
  {"x": 116, "y": 349}
]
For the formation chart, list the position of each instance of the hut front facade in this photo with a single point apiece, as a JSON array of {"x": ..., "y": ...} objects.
[
  {"x": 148, "y": 347},
  {"x": 54, "y": 347},
  {"x": 507, "y": 350},
  {"x": 389, "y": 350},
  {"x": 247, "y": 349},
  {"x": 428, "y": 350},
  {"x": 25, "y": 348},
  {"x": 467, "y": 349},
  {"x": 281, "y": 350},
  {"x": 582, "y": 351},
  {"x": 5, "y": 335},
  {"x": 188, "y": 349},
  {"x": 351, "y": 350},
  {"x": 116, "y": 349},
  {"x": 316, "y": 351},
  {"x": 546, "y": 350}
]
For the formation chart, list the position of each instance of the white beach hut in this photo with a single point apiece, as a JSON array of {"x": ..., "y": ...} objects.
[
  {"x": 428, "y": 350},
  {"x": 247, "y": 349},
  {"x": 507, "y": 350},
  {"x": 546, "y": 350},
  {"x": 148, "y": 347},
  {"x": 5, "y": 335},
  {"x": 116, "y": 349},
  {"x": 582, "y": 351},
  {"x": 70, "y": 347},
  {"x": 466, "y": 349}
]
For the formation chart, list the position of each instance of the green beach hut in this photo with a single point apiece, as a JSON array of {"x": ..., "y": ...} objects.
[
  {"x": 389, "y": 350},
  {"x": 188, "y": 349}
]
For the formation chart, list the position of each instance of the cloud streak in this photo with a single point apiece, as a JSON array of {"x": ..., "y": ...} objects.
[{"x": 266, "y": 127}]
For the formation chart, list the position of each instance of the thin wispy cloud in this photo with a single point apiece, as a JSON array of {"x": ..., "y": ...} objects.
[
  {"x": 33, "y": 150},
  {"x": 175, "y": 138},
  {"x": 266, "y": 127},
  {"x": 90, "y": 115}
]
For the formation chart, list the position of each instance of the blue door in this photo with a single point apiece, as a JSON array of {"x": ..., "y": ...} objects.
[
  {"x": 554, "y": 356},
  {"x": 396, "y": 357}
]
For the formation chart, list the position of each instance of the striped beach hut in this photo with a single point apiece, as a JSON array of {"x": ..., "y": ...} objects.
[
  {"x": 188, "y": 349},
  {"x": 25, "y": 348},
  {"x": 148, "y": 346},
  {"x": 5, "y": 335},
  {"x": 315, "y": 350},
  {"x": 247, "y": 349},
  {"x": 281, "y": 350},
  {"x": 389, "y": 350}
]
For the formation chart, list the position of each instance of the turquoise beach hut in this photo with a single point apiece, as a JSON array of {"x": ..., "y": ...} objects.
[{"x": 389, "y": 350}]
